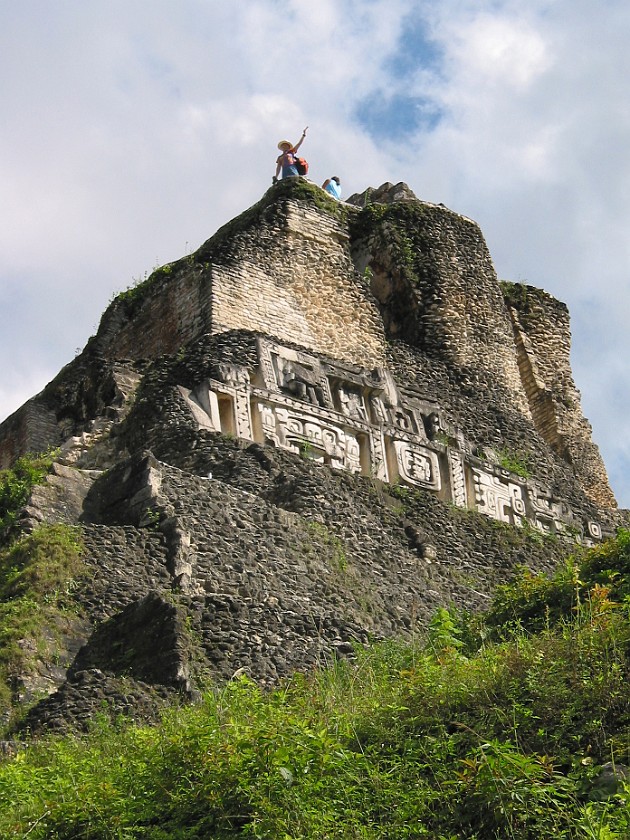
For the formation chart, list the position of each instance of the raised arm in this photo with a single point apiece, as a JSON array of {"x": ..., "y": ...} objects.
[{"x": 297, "y": 146}]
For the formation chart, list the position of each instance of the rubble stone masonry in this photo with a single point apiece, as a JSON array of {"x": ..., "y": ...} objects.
[{"x": 310, "y": 433}]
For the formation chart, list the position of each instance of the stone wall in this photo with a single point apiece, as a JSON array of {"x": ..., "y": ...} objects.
[
  {"x": 302, "y": 288},
  {"x": 282, "y": 268},
  {"x": 543, "y": 341},
  {"x": 32, "y": 428},
  {"x": 432, "y": 274},
  {"x": 403, "y": 284},
  {"x": 275, "y": 563},
  {"x": 172, "y": 307}
]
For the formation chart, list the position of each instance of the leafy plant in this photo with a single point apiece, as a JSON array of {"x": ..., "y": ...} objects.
[
  {"x": 37, "y": 575},
  {"x": 513, "y": 462},
  {"x": 404, "y": 742},
  {"x": 16, "y": 484},
  {"x": 333, "y": 543}
]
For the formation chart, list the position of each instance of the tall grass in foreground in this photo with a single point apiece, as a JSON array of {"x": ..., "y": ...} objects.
[{"x": 497, "y": 728}]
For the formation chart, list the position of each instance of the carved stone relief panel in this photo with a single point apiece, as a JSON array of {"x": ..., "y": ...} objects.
[
  {"x": 498, "y": 497},
  {"x": 294, "y": 373},
  {"x": 550, "y": 514},
  {"x": 404, "y": 419},
  {"x": 242, "y": 413},
  {"x": 319, "y": 439},
  {"x": 378, "y": 455},
  {"x": 267, "y": 416},
  {"x": 357, "y": 420},
  {"x": 595, "y": 530},
  {"x": 417, "y": 465},
  {"x": 268, "y": 373},
  {"x": 378, "y": 409},
  {"x": 459, "y": 496},
  {"x": 234, "y": 375},
  {"x": 434, "y": 427},
  {"x": 351, "y": 402}
]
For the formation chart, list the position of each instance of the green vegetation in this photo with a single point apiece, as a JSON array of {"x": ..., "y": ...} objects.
[
  {"x": 306, "y": 191},
  {"x": 292, "y": 188},
  {"x": 37, "y": 574},
  {"x": 401, "y": 229},
  {"x": 514, "y": 462},
  {"x": 335, "y": 547},
  {"x": 16, "y": 485},
  {"x": 139, "y": 289},
  {"x": 497, "y": 728},
  {"x": 527, "y": 300},
  {"x": 516, "y": 295}
]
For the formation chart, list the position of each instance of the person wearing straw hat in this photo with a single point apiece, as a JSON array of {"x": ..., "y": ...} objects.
[{"x": 286, "y": 161}]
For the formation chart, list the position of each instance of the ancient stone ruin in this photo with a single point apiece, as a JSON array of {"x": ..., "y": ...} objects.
[{"x": 326, "y": 422}]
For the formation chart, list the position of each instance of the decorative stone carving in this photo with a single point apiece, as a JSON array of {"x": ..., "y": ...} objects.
[
  {"x": 267, "y": 416},
  {"x": 298, "y": 374},
  {"x": 433, "y": 426},
  {"x": 378, "y": 456},
  {"x": 378, "y": 411},
  {"x": 458, "y": 478},
  {"x": 234, "y": 375},
  {"x": 595, "y": 530},
  {"x": 305, "y": 434},
  {"x": 550, "y": 514},
  {"x": 498, "y": 497},
  {"x": 351, "y": 402},
  {"x": 243, "y": 417},
  {"x": 302, "y": 383},
  {"x": 404, "y": 419},
  {"x": 370, "y": 427},
  {"x": 417, "y": 465}
]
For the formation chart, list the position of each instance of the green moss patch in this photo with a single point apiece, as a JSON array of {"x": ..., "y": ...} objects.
[
  {"x": 37, "y": 576},
  {"x": 17, "y": 483}
]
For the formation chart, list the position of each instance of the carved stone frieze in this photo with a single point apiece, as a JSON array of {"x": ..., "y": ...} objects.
[
  {"x": 355, "y": 419},
  {"x": 498, "y": 496},
  {"x": 310, "y": 436},
  {"x": 551, "y": 515},
  {"x": 295, "y": 373},
  {"x": 457, "y": 476},
  {"x": 418, "y": 465},
  {"x": 232, "y": 374},
  {"x": 351, "y": 402}
]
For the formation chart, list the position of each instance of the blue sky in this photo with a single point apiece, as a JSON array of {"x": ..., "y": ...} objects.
[{"x": 132, "y": 130}]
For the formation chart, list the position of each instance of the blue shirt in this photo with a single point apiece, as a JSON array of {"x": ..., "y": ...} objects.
[{"x": 333, "y": 188}]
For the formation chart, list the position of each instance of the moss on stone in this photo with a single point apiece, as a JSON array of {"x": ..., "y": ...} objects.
[
  {"x": 402, "y": 230},
  {"x": 527, "y": 300},
  {"x": 296, "y": 189},
  {"x": 139, "y": 291},
  {"x": 36, "y": 582}
]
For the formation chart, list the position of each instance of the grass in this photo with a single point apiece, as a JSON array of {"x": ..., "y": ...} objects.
[
  {"x": 37, "y": 574},
  {"x": 514, "y": 462},
  {"x": 490, "y": 730},
  {"x": 16, "y": 485},
  {"x": 333, "y": 545}
]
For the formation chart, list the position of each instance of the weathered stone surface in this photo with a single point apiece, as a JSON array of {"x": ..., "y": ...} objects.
[
  {"x": 297, "y": 440},
  {"x": 146, "y": 641}
]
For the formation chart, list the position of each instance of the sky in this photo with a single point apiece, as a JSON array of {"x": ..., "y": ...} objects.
[{"x": 132, "y": 129}]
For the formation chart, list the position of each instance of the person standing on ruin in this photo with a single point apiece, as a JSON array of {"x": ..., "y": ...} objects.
[
  {"x": 333, "y": 186},
  {"x": 285, "y": 162}
]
